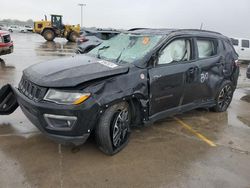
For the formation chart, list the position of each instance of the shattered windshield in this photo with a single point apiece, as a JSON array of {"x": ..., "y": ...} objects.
[{"x": 125, "y": 48}]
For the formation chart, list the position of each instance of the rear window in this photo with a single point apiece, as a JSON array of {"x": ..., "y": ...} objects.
[
  {"x": 207, "y": 48},
  {"x": 235, "y": 42},
  {"x": 245, "y": 43}
]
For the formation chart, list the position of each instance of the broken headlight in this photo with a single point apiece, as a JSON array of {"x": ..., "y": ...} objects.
[{"x": 64, "y": 97}]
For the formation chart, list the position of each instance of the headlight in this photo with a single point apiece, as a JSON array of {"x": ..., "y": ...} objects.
[{"x": 64, "y": 97}]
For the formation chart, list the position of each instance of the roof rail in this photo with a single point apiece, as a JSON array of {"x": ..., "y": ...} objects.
[
  {"x": 199, "y": 30},
  {"x": 134, "y": 29}
]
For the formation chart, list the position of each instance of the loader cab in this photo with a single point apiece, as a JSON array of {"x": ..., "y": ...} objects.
[{"x": 56, "y": 21}]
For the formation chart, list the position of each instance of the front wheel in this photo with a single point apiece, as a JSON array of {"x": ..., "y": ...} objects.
[
  {"x": 72, "y": 36},
  {"x": 49, "y": 35},
  {"x": 113, "y": 130},
  {"x": 224, "y": 97}
]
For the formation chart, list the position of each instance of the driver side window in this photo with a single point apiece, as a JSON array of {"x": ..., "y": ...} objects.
[{"x": 178, "y": 50}]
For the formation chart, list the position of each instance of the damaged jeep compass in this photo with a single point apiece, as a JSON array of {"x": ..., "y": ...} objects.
[{"x": 135, "y": 78}]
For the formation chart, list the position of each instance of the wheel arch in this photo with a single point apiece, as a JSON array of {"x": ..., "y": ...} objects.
[{"x": 137, "y": 104}]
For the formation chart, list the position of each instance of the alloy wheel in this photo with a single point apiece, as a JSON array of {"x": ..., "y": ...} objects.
[
  {"x": 225, "y": 97},
  {"x": 120, "y": 129}
]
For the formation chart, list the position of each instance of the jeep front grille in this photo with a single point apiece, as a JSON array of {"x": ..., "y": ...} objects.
[{"x": 31, "y": 90}]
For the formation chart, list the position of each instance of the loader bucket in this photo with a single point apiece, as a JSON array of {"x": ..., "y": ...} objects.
[{"x": 8, "y": 102}]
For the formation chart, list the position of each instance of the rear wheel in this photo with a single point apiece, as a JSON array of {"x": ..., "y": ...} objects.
[
  {"x": 73, "y": 36},
  {"x": 113, "y": 131},
  {"x": 224, "y": 97},
  {"x": 49, "y": 35}
]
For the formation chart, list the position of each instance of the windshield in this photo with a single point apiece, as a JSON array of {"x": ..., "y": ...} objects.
[{"x": 125, "y": 48}]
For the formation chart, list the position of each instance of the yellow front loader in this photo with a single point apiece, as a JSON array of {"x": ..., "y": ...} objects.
[{"x": 55, "y": 28}]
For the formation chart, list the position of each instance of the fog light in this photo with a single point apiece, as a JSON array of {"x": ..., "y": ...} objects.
[{"x": 57, "y": 122}]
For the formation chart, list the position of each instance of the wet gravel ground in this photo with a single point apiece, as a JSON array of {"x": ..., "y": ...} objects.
[{"x": 164, "y": 155}]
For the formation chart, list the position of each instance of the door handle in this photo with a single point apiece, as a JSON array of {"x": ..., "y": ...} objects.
[
  {"x": 191, "y": 70},
  {"x": 242, "y": 49},
  {"x": 191, "y": 74}
]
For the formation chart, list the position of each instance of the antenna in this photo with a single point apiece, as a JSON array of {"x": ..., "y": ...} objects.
[{"x": 201, "y": 26}]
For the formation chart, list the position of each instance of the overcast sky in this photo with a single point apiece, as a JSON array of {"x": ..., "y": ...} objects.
[{"x": 231, "y": 17}]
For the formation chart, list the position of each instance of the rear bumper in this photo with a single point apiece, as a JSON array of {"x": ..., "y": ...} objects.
[{"x": 86, "y": 119}]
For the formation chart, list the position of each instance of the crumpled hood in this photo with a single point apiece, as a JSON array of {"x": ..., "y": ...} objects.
[{"x": 69, "y": 72}]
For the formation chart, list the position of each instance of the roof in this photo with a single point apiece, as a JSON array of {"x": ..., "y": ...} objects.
[
  {"x": 101, "y": 30},
  {"x": 166, "y": 31}
]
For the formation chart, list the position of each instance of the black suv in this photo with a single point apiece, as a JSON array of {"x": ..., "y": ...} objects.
[{"x": 135, "y": 78}]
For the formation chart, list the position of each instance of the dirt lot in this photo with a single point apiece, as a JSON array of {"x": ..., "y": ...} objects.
[{"x": 196, "y": 149}]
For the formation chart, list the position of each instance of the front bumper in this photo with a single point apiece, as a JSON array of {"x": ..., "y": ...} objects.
[
  {"x": 86, "y": 118},
  {"x": 6, "y": 50}
]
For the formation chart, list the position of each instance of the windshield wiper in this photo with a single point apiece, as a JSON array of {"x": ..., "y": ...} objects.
[
  {"x": 118, "y": 58},
  {"x": 100, "y": 49}
]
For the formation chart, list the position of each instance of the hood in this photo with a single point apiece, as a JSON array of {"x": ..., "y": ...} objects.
[
  {"x": 4, "y": 32},
  {"x": 72, "y": 71}
]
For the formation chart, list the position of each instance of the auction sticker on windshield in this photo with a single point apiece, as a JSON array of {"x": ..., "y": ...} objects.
[
  {"x": 108, "y": 64},
  {"x": 145, "y": 40}
]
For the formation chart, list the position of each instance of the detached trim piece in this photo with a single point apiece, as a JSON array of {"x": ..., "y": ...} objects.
[{"x": 8, "y": 102}]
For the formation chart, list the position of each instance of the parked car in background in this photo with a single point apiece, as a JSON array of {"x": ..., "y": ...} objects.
[
  {"x": 6, "y": 45},
  {"x": 28, "y": 28},
  {"x": 242, "y": 47},
  {"x": 90, "y": 38},
  {"x": 15, "y": 28},
  {"x": 133, "y": 79},
  {"x": 248, "y": 71}
]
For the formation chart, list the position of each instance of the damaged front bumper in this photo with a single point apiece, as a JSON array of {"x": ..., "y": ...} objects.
[{"x": 49, "y": 117}]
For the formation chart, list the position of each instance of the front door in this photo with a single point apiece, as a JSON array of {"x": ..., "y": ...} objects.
[{"x": 168, "y": 76}]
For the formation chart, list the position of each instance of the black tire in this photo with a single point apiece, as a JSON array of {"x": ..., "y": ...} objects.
[
  {"x": 10, "y": 30},
  {"x": 113, "y": 130},
  {"x": 224, "y": 97},
  {"x": 49, "y": 35},
  {"x": 72, "y": 36}
]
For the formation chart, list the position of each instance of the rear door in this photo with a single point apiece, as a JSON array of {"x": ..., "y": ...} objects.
[
  {"x": 168, "y": 76},
  {"x": 244, "y": 50},
  {"x": 210, "y": 64}
]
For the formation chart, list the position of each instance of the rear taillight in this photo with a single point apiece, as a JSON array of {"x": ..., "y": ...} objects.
[
  {"x": 82, "y": 39},
  {"x": 237, "y": 63}
]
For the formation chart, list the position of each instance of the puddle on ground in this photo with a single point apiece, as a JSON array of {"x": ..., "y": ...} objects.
[
  {"x": 244, "y": 120},
  {"x": 246, "y": 98}
]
